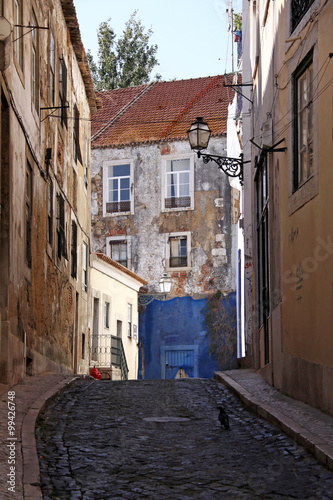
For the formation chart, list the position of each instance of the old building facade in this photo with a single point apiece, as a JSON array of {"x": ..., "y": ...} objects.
[
  {"x": 115, "y": 318},
  {"x": 47, "y": 99},
  {"x": 290, "y": 47},
  {"x": 156, "y": 208}
]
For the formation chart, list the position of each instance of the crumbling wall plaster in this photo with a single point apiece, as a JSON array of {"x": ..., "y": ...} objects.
[{"x": 149, "y": 226}]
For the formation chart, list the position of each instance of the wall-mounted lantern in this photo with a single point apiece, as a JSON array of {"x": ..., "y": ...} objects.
[{"x": 198, "y": 136}]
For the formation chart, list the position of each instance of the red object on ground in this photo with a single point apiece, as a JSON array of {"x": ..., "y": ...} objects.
[{"x": 95, "y": 373}]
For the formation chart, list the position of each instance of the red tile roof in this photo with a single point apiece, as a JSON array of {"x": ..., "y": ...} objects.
[{"x": 160, "y": 111}]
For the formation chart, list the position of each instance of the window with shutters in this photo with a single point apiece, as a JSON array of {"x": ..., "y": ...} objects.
[
  {"x": 61, "y": 228},
  {"x": 35, "y": 63},
  {"x": 76, "y": 136},
  {"x": 63, "y": 92},
  {"x": 84, "y": 267},
  {"x": 50, "y": 212},
  {"x": 74, "y": 250}
]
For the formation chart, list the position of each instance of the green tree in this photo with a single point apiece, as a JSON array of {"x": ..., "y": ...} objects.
[{"x": 125, "y": 62}]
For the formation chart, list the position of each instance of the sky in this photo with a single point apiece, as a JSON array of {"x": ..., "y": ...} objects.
[{"x": 192, "y": 35}]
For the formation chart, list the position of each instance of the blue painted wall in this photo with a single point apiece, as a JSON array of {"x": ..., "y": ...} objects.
[{"x": 174, "y": 330}]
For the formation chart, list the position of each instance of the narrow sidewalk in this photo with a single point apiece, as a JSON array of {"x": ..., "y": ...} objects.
[
  {"x": 19, "y": 409},
  {"x": 306, "y": 425}
]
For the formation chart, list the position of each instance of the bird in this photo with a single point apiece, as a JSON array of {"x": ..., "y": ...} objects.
[{"x": 223, "y": 418}]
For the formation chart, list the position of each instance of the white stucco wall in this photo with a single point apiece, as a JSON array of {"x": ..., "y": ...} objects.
[{"x": 113, "y": 285}]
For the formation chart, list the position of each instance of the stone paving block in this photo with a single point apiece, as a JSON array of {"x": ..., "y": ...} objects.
[{"x": 145, "y": 448}]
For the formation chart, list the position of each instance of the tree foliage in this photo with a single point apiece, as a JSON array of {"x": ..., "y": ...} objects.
[
  {"x": 125, "y": 62},
  {"x": 221, "y": 326}
]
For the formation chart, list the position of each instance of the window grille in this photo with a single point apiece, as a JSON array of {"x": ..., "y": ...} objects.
[{"x": 298, "y": 10}]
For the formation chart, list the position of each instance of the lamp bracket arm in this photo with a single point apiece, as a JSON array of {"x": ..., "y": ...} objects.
[{"x": 233, "y": 167}]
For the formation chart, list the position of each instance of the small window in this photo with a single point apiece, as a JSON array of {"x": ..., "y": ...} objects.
[
  {"x": 18, "y": 32},
  {"x": 28, "y": 216},
  {"x": 118, "y": 251},
  {"x": 303, "y": 122},
  {"x": 84, "y": 267},
  {"x": 35, "y": 63},
  {"x": 177, "y": 183},
  {"x": 178, "y": 251},
  {"x": 129, "y": 320},
  {"x": 107, "y": 314},
  {"x": 118, "y": 188},
  {"x": 74, "y": 250}
]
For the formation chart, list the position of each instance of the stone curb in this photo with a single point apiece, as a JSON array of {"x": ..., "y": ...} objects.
[
  {"x": 316, "y": 445},
  {"x": 30, "y": 462}
]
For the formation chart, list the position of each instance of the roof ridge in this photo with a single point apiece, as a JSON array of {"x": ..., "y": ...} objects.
[
  {"x": 123, "y": 110},
  {"x": 190, "y": 104}
]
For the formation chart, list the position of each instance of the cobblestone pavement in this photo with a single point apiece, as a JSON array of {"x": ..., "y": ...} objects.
[
  {"x": 26, "y": 392},
  {"x": 161, "y": 439}
]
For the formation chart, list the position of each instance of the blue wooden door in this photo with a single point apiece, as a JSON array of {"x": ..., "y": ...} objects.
[{"x": 176, "y": 359}]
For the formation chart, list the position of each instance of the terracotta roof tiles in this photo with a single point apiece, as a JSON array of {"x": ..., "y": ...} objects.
[{"x": 160, "y": 111}]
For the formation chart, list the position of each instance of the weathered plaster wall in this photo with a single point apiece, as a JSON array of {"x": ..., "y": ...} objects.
[
  {"x": 44, "y": 311},
  {"x": 209, "y": 223}
]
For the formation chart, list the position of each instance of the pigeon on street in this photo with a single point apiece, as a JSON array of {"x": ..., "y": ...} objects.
[{"x": 223, "y": 418}]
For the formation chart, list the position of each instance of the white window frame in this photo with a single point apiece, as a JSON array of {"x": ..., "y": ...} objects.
[
  {"x": 129, "y": 320},
  {"x": 84, "y": 266},
  {"x": 164, "y": 184},
  {"x": 309, "y": 189},
  {"x": 114, "y": 239},
  {"x": 107, "y": 309},
  {"x": 186, "y": 234},
  {"x": 112, "y": 163}
]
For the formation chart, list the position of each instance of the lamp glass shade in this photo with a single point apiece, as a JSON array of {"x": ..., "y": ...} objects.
[
  {"x": 199, "y": 134},
  {"x": 165, "y": 283}
]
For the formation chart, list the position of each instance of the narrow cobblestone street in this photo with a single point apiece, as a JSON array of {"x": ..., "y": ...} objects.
[{"x": 162, "y": 439}]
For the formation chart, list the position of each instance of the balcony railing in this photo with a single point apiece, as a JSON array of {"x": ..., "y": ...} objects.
[
  {"x": 298, "y": 10},
  {"x": 107, "y": 351}
]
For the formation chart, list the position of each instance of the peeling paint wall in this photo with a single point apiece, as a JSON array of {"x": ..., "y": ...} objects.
[
  {"x": 45, "y": 313},
  {"x": 207, "y": 223}
]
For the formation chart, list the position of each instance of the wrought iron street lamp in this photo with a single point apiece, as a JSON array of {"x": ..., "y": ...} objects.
[
  {"x": 165, "y": 285},
  {"x": 198, "y": 136}
]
